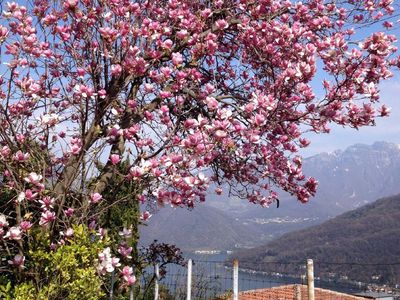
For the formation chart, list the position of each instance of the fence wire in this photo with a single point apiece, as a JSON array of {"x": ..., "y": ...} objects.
[{"x": 213, "y": 280}]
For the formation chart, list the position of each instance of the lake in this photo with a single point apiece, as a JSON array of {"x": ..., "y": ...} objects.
[{"x": 212, "y": 276}]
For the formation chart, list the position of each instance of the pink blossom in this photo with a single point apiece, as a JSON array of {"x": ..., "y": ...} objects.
[
  {"x": 221, "y": 24},
  {"x": 384, "y": 111},
  {"x": 102, "y": 93},
  {"x": 68, "y": 233},
  {"x": 14, "y": 233},
  {"x": 136, "y": 172},
  {"x": 69, "y": 212},
  {"x": 126, "y": 232},
  {"x": 107, "y": 263},
  {"x": 218, "y": 191},
  {"x": 95, "y": 198},
  {"x": 47, "y": 203},
  {"x": 212, "y": 103},
  {"x": 17, "y": 261},
  {"x": 144, "y": 216},
  {"x": 3, "y": 221},
  {"x": 181, "y": 34},
  {"x": 115, "y": 159},
  {"x": 76, "y": 149},
  {"x": 114, "y": 131},
  {"x": 3, "y": 33},
  {"x": 177, "y": 59},
  {"x": 47, "y": 217},
  {"x": 5, "y": 151},
  {"x": 21, "y": 157},
  {"x": 34, "y": 178},
  {"x": 167, "y": 44},
  {"x": 70, "y": 4},
  {"x": 127, "y": 275},
  {"x": 148, "y": 88},
  {"x": 125, "y": 251},
  {"x": 116, "y": 70},
  {"x": 30, "y": 195},
  {"x": 49, "y": 119},
  {"x": 25, "y": 225}
]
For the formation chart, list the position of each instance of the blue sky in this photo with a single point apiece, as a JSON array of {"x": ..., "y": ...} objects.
[{"x": 386, "y": 129}]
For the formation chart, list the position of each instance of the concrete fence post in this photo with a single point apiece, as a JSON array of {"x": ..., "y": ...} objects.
[
  {"x": 310, "y": 279},
  {"x": 235, "y": 279},
  {"x": 112, "y": 285},
  {"x": 189, "y": 281},
  {"x": 131, "y": 293},
  {"x": 156, "y": 287}
]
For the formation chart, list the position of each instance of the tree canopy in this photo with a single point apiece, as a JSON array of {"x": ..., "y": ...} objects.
[{"x": 166, "y": 99}]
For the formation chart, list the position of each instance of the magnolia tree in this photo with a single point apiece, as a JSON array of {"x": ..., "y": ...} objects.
[{"x": 109, "y": 104}]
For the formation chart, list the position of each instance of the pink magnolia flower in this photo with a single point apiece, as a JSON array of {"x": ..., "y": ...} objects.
[
  {"x": 181, "y": 34},
  {"x": 107, "y": 263},
  {"x": 5, "y": 151},
  {"x": 177, "y": 58},
  {"x": 70, "y": 4},
  {"x": 47, "y": 203},
  {"x": 75, "y": 149},
  {"x": 47, "y": 217},
  {"x": 144, "y": 216},
  {"x": 17, "y": 261},
  {"x": 25, "y": 225},
  {"x": 14, "y": 233},
  {"x": 69, "y": 212},
  {"x": 126, "y": 232},
  {"x": 125, "y": 251},
  {"x": 136, "y": 172},
  {"x": 21, "y": 157},
  {"x": 68, "y": 233},
  {"x": 34, "y": 178},
  {"x": 218, "y": 191},
  {"x": 167, "y": 44},
  {"x": 114, "y": 131},
  {"x": 384, "y": 111},
  {"x": 30, "y": 195},
  {"x": 3, "y": 221},
  {"x": 212, "y": 103},
  {"x": 116, "y": 70},
  {"x": 115, "y": 159},
  {"x": 49, "y": 119},
  {"x": 221, "y": 24},
  {"x": 127, "y": 275},
  {"x": 3, "y": 33},
  {"x": 102, "y": 93},
  {"x": 95, "y": 197}
]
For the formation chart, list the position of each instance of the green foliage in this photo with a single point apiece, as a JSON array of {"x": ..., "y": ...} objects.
[
  {"x": 121, "y": 208},
  {"x": 5, "y": 290},
  {"x": 69, "y": 272}
]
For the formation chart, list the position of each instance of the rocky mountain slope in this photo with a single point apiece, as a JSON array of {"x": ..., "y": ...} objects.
[{"x": 347, "y": 179}]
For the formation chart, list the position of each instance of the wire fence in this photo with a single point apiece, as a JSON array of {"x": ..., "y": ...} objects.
[{"x": 215, "y": 280}]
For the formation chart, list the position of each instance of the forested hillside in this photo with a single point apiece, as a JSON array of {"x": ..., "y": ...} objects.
[{"x": 360, "y": 244}]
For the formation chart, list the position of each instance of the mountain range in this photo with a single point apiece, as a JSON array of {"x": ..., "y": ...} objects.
[
  {"x": 348, "y": 179},
  {"x": 203, "y": 228}
]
